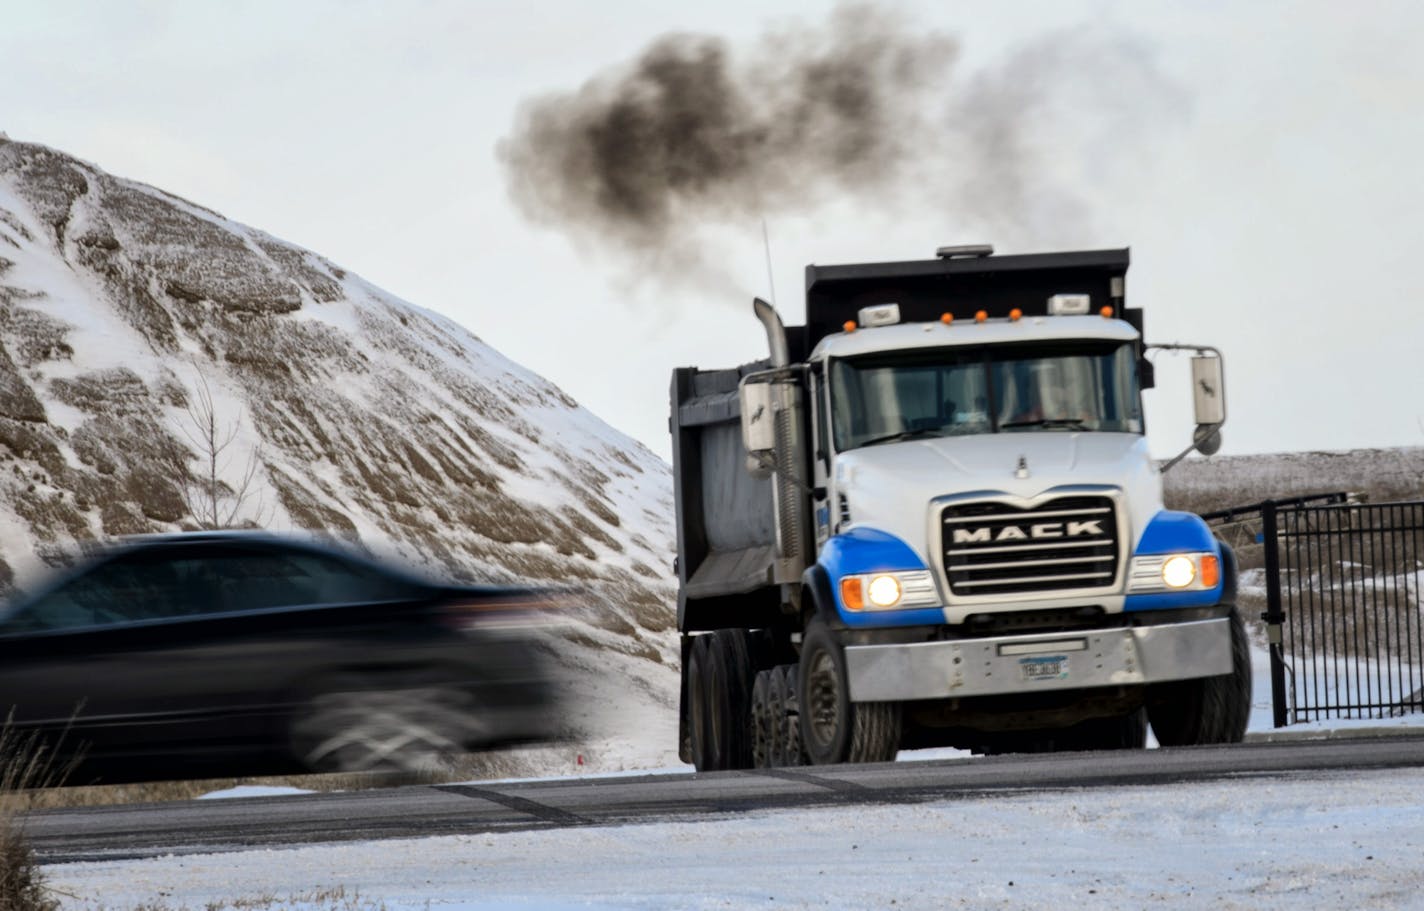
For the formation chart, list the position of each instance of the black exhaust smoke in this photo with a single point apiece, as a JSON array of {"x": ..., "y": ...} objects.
[{"x": 644, "y": 159}]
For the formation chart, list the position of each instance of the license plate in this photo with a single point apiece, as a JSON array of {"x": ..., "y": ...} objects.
[{"x": 1044, "y": 667}]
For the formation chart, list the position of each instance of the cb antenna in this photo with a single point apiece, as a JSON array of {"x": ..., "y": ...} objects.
[{"x": 770, "y": 279}]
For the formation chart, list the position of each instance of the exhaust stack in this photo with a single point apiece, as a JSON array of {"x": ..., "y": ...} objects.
[{"x": 775, "y": 332}]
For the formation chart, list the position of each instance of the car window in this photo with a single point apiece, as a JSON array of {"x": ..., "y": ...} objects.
[
  {"x": 158, "y": 587},
  {"x": 119, "y": 591},
  {"x": 267, "y": 580}
]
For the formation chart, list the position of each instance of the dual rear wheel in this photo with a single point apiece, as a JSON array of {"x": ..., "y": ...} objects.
[
  {"x": 743, "y": 714},
  {"x": 776, "y": 722}
]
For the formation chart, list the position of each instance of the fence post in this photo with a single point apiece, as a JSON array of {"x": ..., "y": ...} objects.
[{"x": 1274, "y": 616}]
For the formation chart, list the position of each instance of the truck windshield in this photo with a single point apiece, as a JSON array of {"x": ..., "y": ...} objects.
[{"x": 1082, "y": 386}]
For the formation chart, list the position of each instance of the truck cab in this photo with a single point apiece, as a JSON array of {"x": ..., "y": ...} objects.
[{"x": 964, "y": 539}]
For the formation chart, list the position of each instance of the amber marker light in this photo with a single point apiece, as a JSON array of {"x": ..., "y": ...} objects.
[
  {"x": 981, "y": 316},
  {"x": 1106, "y": 312},
  {"x": 852, "y": 593},
  {"x": 1015, "y": 315},
  {"x": 849, "y": 325},
  {"x": 946, "y": 318},
  {"x": 1210, "y": 571}
]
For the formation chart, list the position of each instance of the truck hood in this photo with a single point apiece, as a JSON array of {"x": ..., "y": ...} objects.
[{"x": 890, "y": 486}]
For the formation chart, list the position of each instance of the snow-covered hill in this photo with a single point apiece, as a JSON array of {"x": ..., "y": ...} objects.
[{"x": 365, "y": 419}]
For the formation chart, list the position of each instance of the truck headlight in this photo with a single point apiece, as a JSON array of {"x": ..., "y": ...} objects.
[
  {"x": 884, "y": 591},
  {"x": 1179, "y": 571},
  {"x": 1174, "y": 572}
]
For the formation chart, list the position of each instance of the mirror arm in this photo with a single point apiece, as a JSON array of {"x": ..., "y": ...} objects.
[{"x": 1203, "y": 432}]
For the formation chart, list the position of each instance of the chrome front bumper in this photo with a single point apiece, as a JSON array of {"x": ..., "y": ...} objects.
[{"x": 1053, "y": 661}]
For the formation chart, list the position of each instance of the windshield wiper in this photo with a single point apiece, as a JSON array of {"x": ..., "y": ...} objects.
[
  {"x": 1071, "y": 423},
  {"x": 904, "y": 435}
]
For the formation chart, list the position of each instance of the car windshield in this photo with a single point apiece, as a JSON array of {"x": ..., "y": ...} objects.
[{"x": 1079, "y": 386}]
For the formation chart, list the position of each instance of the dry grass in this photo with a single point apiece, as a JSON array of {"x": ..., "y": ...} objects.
[
  {"x": 486, "y": 766},
  {"x": 335, "y": 899},
  {"x": 99, "y": 795},
  {"x": 26, "y": 769}
]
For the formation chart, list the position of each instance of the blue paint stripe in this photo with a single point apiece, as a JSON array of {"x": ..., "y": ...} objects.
[{"x": 1169, "y": 600}]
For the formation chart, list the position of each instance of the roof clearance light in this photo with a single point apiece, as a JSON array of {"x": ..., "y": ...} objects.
[
  {"x": 946, "y": 318},
  {"x": 981, "y": 316},
  {"x": 1107, "y": 312},
  {"x": 849, "y": 325},
  {"x": 879, "y": 315},
  {"x": 1069, "y": 305},
  {"x": 1015, "y": 315}
]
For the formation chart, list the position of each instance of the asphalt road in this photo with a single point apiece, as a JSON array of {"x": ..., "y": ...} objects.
[{"x": 145, "y": 830}]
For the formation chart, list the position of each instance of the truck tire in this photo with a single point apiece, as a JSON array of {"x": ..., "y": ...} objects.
[
  {"x": 792, "y": 752},
  {"x": 766, "y": 721},
  {"x": 699, "y": 705},
  {"x": 1208, "y": 709},
  {"x": 719, "y": 690},
  {"x": 684, "y": 709},
  {"x": 834, "y": 729}
]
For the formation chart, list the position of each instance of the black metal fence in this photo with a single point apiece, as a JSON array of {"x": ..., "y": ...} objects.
[{"x": 1344, "y": 593}]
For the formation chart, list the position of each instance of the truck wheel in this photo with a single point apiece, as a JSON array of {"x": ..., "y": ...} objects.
[
  {"x": 698, "y": 707},
  {"x": 786, "y": 732},
  {"x": 834, "y": 729},
  {"x": 684, "y": 712},
  {"x": 766, "y": 721},
  {"x": 792, "y": 752},
  {"x": 1209, "y": 709},
  {"x": 719, "y": 690}
]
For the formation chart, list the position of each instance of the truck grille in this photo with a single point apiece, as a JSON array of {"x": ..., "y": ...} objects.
[{"x": 999, "y": 549}]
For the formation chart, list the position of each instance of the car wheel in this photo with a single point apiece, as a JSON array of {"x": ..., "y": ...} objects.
[{"x": 360, "y": 725}]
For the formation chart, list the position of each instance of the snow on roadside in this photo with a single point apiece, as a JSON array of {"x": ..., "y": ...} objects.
[
  {"x": 1342, "y": 840},
  {"x": 253, "y": 790}
]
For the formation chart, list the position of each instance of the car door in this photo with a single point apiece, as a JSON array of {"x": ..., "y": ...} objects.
[{"x": 70, "y": 657}]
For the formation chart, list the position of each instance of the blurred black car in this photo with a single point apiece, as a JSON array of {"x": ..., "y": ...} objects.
[{"x": 232, "y": 653}]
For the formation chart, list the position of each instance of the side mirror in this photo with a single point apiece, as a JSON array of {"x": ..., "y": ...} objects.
[
  {"x": 1208, "y": 391},
  {"x": 1208, "y": 400}
]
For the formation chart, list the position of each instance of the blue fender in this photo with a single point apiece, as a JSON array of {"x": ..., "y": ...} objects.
[
  {"x": 1172, "y": 532},
  {"x": 867, "y": 550}
]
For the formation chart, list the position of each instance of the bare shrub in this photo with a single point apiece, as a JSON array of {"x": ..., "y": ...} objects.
[
  {"x": 26, "y": 766},
  {"x": 209, "y": 499}
]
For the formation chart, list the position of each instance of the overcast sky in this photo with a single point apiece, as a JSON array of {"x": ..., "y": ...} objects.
[{"x": 1262, "y": 160}]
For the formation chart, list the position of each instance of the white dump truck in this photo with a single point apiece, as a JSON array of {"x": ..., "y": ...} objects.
[{"x": 930, "y": 518}]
